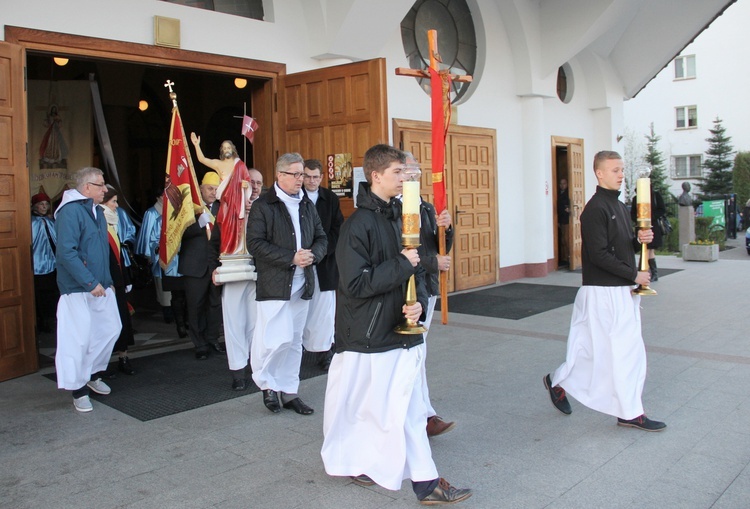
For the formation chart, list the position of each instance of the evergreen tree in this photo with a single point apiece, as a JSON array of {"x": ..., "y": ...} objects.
[
  {"x": 718, "y": 163},
  {"x": 741, "y": 179},
  {"x": 656, "y": 160}
]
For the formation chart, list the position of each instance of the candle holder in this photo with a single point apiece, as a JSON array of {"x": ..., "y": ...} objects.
[
  {"x": 410, "y": 239},
  {"x": 643, "y": 215}
]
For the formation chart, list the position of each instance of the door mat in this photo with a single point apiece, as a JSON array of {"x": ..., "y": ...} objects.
[
  {"x": 174, "y": 382},
  {"x": 516, "y": 301}
]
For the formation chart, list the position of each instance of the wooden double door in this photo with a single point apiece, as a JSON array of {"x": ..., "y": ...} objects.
[{"x": 471, "y": 185}]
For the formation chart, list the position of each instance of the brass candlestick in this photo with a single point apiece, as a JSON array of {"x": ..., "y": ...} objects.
[
  {"x": 643, "y": 198},
  {"x": 410, "y": 240}
]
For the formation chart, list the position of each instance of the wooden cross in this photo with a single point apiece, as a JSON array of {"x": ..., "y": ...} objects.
[{"x": 440, "y": 123}]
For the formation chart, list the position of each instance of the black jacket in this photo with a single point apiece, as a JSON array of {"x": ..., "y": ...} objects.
[
  {"x": 194, "y": 251},
  {"x": 428, "y": 249},
  {"x": 270, "y": 239},
  {"x": 608, "y": 243},
  {"x": 372, "y": 278},
  {"x": 331, "y": 218}
]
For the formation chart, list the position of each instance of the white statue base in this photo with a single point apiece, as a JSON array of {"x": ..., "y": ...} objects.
[{"x": 236, "y": 268}]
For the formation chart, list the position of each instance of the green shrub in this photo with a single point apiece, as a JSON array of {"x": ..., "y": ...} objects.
[{"x": 703, "y": 232}]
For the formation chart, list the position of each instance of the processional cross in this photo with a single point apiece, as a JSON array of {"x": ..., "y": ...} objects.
[{"x": 440, "y": 82}]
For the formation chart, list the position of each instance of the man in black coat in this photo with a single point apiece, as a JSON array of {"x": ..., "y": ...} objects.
[
  {"x": 319, "y": 328},
  {"x": 285, "y": 238},
  {"x": 203, "y": 298},
  {"x": 374, "y": 426}
]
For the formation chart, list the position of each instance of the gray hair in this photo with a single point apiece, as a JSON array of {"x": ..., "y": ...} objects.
[
  {"x": 286, "y": 160},
  {"x": 84, "y": 175}
]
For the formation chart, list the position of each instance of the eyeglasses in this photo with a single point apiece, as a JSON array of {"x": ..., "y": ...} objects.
[
  {"x": 97, "y": 185},
  {"x": 296, "y": 175},
  {"x": 312, "y": 177}
]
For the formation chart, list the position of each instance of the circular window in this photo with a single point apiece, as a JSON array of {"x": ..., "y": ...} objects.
[
  {"x": 565, "y": 83},
  {"x": 457, "y": 42}
]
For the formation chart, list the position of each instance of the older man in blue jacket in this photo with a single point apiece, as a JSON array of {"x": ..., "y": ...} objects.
[{"x": 88, "y": 323}]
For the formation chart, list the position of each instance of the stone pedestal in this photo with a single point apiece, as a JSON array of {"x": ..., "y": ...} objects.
[
  {"x": 686, "y": 217},
  {"x": 700, "y": 253},
  {"x": 236, "y": 268}
]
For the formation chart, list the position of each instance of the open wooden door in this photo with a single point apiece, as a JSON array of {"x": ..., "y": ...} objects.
[
  {"x": 577, "y": 197},
  {"x": 18, "y": 355},
  {"x": 340, "y": 109}
]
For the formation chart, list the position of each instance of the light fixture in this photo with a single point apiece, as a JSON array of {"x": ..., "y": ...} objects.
[
  {"x": 240, "y": 82},
  {"x": 143, "y": 105},
  {"x": 61, "y": 61}
]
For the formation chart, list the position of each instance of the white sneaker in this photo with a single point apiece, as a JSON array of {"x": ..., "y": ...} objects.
[
  {"x": 83, "y": 404},
  {"x": 99, "y": 387}
]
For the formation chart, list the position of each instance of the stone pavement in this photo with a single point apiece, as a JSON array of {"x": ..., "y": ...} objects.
[{"x": 511, "y": 446}]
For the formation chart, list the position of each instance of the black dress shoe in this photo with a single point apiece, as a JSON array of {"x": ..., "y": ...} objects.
[
  {"x": 124, "y": 366},
  {"x": 239, "y": 384},
  {"x": 271, "y": 400},
  {"x": 201, "y": 355},
  {"x": 298, "y": 406},
  {"x": 218, "y": 347},
  {"x": 557, "y": 396}
]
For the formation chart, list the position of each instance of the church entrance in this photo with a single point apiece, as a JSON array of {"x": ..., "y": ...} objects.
[{"x": 213, "y": 93}]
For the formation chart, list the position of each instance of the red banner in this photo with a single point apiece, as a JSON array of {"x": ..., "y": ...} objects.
[
  {"x": 182, "y": 197},
  {"x": 441, "y": 114},
  {"x": 249, "y": 126}
]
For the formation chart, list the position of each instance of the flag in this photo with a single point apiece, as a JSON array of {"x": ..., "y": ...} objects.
[
  {"x": 441, "y": 113},
  {"x": 249, "y": 126},
  {"x": 182, "y": 197}
]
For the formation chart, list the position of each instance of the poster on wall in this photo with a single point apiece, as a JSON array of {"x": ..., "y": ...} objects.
[
  {"x": 340, "y": 174},
  {"x": 60, "y": 134},
  {"x": 359, "y": 176}
]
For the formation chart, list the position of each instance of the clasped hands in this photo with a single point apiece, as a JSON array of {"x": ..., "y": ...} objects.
[{"x": 303, "y": 258}]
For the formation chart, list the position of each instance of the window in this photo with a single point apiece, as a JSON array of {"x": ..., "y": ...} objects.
[
  {"x": 684, "y": 67},
  {"x": 246, "y": 8},
  {"x": 687, "y": 117},
  {"x": 687, "y": 166}
]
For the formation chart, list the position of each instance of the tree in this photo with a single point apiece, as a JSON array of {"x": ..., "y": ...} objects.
[
  {"x": 633, "y": 158},
  {"x": 741, "y": 178},
  {"x": 656, "y": 160},
  {"x": 717, "y": 179}
]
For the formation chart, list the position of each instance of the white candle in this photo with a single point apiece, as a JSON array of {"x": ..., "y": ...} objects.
[
  {"x": 643, "y": 190},
  {"x": 411, "y": 198}
]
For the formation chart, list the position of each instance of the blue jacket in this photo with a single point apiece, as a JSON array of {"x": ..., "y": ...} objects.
[{"x": 82, "y": 245}]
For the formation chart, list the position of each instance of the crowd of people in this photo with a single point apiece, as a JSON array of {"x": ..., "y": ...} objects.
[{"x": 328, "y": 286}]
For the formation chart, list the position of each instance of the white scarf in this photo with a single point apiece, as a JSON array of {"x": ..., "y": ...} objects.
[
  {"x": 292, "y": 205},
  {"x": 111, "y": 216}
]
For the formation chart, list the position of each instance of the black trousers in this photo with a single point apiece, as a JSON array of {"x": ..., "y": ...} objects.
[{"x": 203, "y": 301}]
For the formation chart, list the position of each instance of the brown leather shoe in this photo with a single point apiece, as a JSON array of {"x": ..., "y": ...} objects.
[
  {"x": 437, "y": 426},
  {"x": 444, "y": 493}
]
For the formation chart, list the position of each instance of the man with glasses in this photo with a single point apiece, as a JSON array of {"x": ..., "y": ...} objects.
[
  {"x": 318, "y": 333},
  {"x": 88, "y": 322},
  {"x": 286, "y": 238}
]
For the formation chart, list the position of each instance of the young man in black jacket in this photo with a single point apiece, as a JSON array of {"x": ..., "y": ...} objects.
[
  {"x": 605, "y": 367},
  {"x": 374, "y": 423}
]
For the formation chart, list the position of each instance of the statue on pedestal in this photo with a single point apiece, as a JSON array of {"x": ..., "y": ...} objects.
[
  {"x": 685, "y": 199},
  {"x": 232, "y": 193}
]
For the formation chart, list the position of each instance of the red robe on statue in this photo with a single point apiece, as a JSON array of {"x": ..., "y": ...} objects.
[{"x": 232, "y": 216}]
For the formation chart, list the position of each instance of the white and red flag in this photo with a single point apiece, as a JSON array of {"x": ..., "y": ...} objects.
[{"x": 249, "y": 126}]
